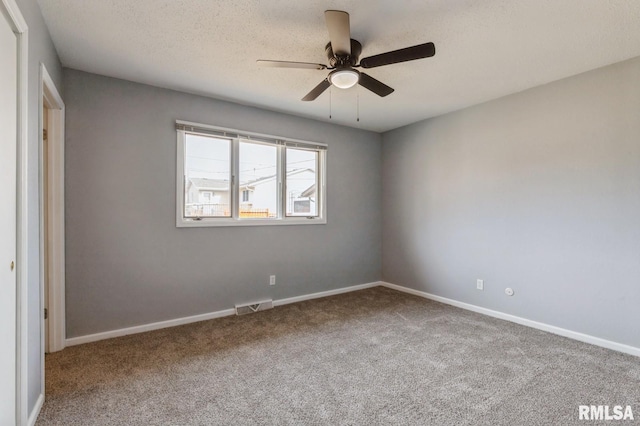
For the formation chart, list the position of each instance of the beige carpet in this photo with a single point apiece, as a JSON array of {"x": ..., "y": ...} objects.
[{"x": 370, "y": 357}]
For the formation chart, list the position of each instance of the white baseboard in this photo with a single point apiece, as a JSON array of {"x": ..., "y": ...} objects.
[
  {"x": 597, "y": 341},
  {"x": 147, "y": 327},
  {"x": 325, "y": 293},
  {"x": 204, "y": 317},
  {"x": 36, "y": 411}
]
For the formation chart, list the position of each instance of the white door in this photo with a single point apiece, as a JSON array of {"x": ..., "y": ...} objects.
[{"x": 8, "y": 142}]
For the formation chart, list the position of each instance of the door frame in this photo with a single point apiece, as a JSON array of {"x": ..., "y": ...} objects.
[
  {"x": 50, "y": 98},
  {"x": 10, "y": 8}
]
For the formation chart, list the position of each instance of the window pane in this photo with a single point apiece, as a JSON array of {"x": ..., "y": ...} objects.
[
  {"x": 258, "y": 181},
  {"x": 207, "y": 176},
  {"x": 301, "y": 182}
]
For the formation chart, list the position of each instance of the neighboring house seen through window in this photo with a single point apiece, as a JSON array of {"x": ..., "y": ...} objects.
[{"x": 226, "y": 178}]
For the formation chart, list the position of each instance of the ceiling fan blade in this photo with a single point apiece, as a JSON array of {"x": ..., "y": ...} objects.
[
  {"x": 420, "y": 51},
  {"x": 317, "y": 91},
  {"x": 288, "y": 64},
  {"x": 376, "y": 86},
  {"x": 339, "y": 31}
]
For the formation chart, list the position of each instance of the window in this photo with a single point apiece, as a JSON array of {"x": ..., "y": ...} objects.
[
  {"x": 207, "y": 176},
  {"x": 229, "y": 178},
  {"x": 302, "y": 180},
  {"x": 258, "y": 171}
]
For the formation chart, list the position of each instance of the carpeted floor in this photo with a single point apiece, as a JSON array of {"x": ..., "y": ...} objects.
[{"x": 375, "y": 356}]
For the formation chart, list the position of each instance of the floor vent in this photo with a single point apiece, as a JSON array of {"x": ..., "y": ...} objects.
[{"x": 251, "y": 308}]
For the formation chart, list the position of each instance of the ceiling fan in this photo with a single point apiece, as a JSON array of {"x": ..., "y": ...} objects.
[{"x": 343, "y": 53}]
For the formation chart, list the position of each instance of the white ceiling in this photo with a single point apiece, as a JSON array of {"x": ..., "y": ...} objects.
[{"x": 485, "y": 49}]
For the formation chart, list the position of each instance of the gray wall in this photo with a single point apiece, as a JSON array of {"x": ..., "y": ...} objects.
[
  {"x": 128, "y": 264},
  {"x": 538, "y": 191},
  {"x": 41, "y": 50}
]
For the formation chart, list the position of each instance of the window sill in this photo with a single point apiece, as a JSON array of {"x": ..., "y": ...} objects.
[{"x": 205, "y": 223}]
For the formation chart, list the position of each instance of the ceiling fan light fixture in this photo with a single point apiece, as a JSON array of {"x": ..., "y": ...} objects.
[{"x": 345, "y": 78}]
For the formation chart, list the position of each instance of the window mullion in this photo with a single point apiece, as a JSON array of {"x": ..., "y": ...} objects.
[
  {"x": 235, "y": 179},
  {"x": 322, "y": 184},
  {"x": 283, "y": 182}
]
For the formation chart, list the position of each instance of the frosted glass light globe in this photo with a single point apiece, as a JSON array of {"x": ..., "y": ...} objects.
[{"x": 344, "y": 79}]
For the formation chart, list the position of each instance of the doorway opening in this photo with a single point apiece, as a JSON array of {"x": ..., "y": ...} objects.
[{"x": 51, "y": 216}]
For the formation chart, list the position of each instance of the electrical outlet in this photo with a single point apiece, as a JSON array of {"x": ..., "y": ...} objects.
[
  {"x": 272, "y": 280},
  {"x": 480, "y": 284}
]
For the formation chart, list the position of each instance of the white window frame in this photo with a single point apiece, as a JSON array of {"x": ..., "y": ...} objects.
[
  {"x": 236, "y": 136},
  {"x": 285, "y": 191}
]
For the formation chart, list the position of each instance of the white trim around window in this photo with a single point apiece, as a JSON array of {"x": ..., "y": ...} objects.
[{"x": 232, "y": 213}]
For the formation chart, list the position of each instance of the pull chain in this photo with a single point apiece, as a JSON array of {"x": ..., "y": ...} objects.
[{"x": 358, "y": 101}]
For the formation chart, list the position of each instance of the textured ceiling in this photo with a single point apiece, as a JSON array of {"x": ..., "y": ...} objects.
[{"x": 485, "y": 49}]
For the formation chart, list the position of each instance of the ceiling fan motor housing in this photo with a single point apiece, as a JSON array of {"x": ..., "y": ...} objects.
[{"x": 344, "y": 61}]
